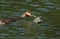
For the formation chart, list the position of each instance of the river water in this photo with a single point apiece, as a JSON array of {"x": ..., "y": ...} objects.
[{"x": 23, "y": 29}]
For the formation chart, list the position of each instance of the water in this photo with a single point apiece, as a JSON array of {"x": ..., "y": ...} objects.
[{"x": 22, "y": 29}]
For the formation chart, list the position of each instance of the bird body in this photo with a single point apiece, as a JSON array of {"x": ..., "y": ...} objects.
[
  {"x": 10, "y": 20},
  {"x": 37, "y": 20},
  {"x": 7, "y": 20}
]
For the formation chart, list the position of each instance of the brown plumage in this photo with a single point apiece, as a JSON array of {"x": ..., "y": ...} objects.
[{"x": 8, "y": 20}]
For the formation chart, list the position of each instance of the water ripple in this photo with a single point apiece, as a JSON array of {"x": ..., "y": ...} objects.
[{"x": 43, "y": 9}]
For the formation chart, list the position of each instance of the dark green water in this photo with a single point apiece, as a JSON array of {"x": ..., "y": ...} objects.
[{"x": 21, "y": 29}]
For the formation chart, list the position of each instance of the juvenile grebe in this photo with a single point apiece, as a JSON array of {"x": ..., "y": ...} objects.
[{"x": 37, "y": 19}]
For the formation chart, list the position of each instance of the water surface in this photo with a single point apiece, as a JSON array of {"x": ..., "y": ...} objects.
[{"x": 22, "y": 29}]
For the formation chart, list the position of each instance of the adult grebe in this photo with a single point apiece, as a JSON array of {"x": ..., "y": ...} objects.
[{"x": 10, "y": 20}]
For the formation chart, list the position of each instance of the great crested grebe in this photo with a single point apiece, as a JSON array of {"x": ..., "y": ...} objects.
[
  {"x": 10, "y": 20},
  {"x": 37, "y": 19}
]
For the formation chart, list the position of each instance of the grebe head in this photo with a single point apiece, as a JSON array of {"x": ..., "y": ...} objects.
[
  {"x": 25, "y": 14},
  {"x": 28, "y": 13}
]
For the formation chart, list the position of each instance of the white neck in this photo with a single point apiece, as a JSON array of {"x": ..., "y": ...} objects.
[{"x": 1, "y": 22}]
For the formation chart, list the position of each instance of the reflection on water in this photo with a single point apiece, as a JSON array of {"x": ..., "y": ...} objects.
[{"x": 22, "y": 29}]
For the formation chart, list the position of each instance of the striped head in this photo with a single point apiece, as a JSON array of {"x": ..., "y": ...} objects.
[{"x": 37, "y": 20}]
